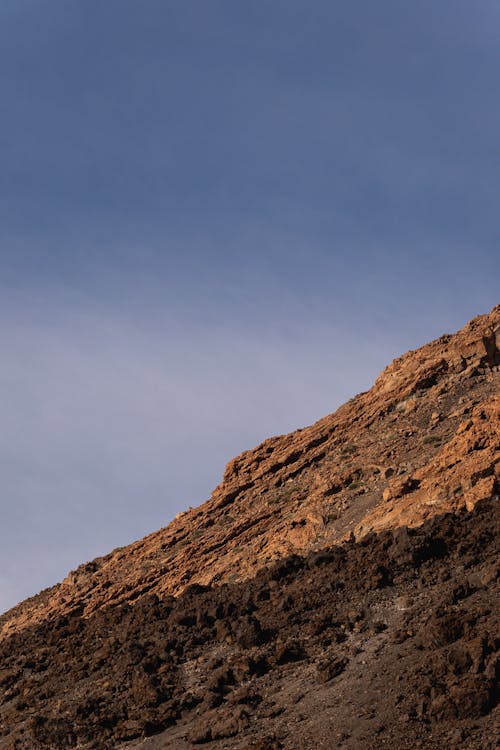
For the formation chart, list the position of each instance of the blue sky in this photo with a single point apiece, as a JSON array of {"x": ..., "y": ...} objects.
[{"x": 218, "y": 221}]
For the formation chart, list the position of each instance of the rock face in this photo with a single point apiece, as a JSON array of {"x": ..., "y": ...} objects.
[
  {"x": 321, "y": 570},
  {"x": 424, "y": 440}
]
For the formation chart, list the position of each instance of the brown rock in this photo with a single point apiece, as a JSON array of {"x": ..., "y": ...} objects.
[
  {"x": 330, "y": 669},
  {"x": 302, "y": 550},
  {"x": 290, "y": 491}
]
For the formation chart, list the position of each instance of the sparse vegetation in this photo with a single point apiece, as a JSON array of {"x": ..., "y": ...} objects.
[
  {"x": 284, "y": 493},
  {"x": 348, "y": 449},
  {"x": 432, "y": 440},
  {"x": 197, "y": 533},
  {"x": 356, "y": 485}
]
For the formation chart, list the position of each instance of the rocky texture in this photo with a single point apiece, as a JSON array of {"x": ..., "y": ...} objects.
[
  {"x": 109, "y": 654},
  {"x": 391, "y": 642},
  {"x": 423, "y": 440}
]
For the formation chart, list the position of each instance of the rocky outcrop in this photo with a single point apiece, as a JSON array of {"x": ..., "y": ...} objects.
[
  {"x": 339, "y": 583},
  {"x": 423, "y": 440},
  {"x": 462, "y": 472},
  {"x": 391, "y": 641}
]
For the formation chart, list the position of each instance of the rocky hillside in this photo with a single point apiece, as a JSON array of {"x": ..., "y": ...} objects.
[
  {"x": 422, "y": 441},
  {"x": 295, "y": 608}
]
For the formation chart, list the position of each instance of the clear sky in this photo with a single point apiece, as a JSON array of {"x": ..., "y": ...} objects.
[{"x": 218, "y": 221}]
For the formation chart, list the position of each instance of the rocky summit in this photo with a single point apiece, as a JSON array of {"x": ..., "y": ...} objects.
[{"x": 338, "y": 590}]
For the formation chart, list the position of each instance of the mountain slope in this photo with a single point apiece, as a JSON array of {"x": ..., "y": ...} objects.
[
  {"x": 389, "y": 642},
  {"x": 423, "y": 440},
  {"x": 319, "y": 598}
]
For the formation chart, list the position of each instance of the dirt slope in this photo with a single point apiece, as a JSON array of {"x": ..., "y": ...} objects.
[{"x": 386, "y": 639}]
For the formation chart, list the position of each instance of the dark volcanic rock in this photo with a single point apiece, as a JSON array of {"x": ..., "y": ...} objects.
[
  {"x": 407, "y": 661},
  {"x": 424, "y": 440},
  {"x": 339, "y": 590}
]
